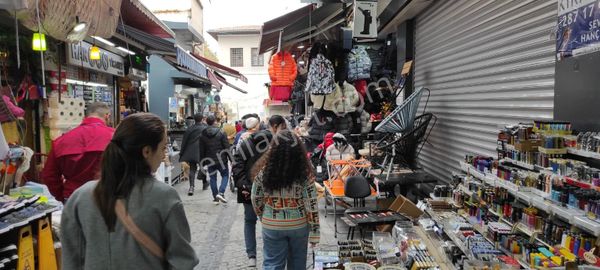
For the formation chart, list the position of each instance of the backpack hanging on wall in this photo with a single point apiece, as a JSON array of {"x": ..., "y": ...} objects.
[{"x": 321, "y": 76}]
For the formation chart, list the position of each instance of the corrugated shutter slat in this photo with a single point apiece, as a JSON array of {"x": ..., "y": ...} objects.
[{"x": 488, "y": 63}]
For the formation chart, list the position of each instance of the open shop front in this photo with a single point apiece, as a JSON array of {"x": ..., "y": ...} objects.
[{"x": 462, "y": 153}]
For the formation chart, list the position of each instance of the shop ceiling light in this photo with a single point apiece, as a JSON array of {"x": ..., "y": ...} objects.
[
  {"x": 125, "y": 50},
  {"x": 38, "y": 42},
  {"x": 95, "y": 53},
  {"x": 107, "y": 42},
  {"x": 300, "y": 46},
  {"x": 79, "y": 27}
]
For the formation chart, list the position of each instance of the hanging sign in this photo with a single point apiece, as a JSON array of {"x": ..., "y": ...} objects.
[
  {"x": 365, "y": 19},
  {"x": 78, "y": 54},
  {"x": 578, "y": 30}
]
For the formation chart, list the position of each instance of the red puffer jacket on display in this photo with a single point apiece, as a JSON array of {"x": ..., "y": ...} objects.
[{"x": 282, "y": 69}]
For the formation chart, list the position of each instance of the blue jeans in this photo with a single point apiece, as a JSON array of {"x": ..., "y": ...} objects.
[
  {"x": 212, "y": 171},
  {"x": 250, "y": 230},
  {"x": 285, "y": 246}
]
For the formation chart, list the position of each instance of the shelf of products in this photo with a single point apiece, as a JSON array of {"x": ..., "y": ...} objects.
[
  {"x": 583, "y": 153},
  {"x": 535, "y": 200}
]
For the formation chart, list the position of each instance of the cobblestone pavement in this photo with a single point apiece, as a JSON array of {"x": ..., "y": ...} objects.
[{"x": 218, "y": 230}]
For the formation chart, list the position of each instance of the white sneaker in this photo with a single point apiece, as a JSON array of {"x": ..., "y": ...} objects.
[
  {"x": 221, "y": 198},
  {"x": 252, "y": 262}
]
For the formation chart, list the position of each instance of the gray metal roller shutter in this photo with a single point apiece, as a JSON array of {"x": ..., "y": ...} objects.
[{"x": 487, "y": 63}]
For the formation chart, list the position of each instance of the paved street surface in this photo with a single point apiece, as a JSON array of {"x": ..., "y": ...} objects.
[{"x": 218, "y": 230}]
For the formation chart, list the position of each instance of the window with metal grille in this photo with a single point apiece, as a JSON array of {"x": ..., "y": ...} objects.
[
  {"x": 258, "y": 60},
  {"x": 237, "y": 57}
]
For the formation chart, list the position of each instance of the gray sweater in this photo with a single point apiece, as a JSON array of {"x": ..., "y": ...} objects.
[{"x": 156, "y": 209}]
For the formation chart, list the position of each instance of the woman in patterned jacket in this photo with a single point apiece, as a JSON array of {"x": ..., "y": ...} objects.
[{"x": 284, "y": 197}]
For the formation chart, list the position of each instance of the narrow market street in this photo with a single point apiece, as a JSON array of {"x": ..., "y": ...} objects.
[{"x": 218, "y": 230}]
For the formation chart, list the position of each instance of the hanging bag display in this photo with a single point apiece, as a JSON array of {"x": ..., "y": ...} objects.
[{"x": 321, "y": 76}]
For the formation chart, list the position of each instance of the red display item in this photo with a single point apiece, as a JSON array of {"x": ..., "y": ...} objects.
[
  {"x": 361, "y": 87},
  {"x": 280, "y": 93}
]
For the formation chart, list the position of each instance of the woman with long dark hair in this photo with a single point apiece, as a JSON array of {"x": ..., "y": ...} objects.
[
  {"x": 284, "y": 197},
  {"x": 128, "y": 219}
]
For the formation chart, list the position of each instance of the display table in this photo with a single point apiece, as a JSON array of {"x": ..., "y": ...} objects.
[{"x": 334, "y": 189}]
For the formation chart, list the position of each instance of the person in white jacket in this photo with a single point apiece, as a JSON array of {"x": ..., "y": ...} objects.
[{"x": 340, "y": 149}]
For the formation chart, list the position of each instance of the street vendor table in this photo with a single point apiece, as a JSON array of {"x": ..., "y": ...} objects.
[{"x": 334, "y": 189}]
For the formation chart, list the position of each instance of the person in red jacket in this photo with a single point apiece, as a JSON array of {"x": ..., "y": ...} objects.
[{"x": 75, "y": 156}]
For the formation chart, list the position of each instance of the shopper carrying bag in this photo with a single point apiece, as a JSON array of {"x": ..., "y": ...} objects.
[
  {"x": 284, "y": 197},
  {"x": 128, "y": 219}
]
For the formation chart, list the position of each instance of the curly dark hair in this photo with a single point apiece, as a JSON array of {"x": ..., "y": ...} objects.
[{"x": 285, "y": 163}]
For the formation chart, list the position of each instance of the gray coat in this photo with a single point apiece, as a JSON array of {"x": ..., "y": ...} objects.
[
  {"x": 190, "y": 144},
  {"x": 156, "y": 209}
]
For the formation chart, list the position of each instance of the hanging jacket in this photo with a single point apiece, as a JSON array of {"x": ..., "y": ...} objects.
[
  {"x": 321, "y": 75},
  {"x": 365, "y": 122},
  {"x": 359, "y": 64},
  {"x": 282, "y": 69},
  {"x": 343, "y": 124},
  {"x": 298, "y": 98},
  {"x": 342, "y": 101}
]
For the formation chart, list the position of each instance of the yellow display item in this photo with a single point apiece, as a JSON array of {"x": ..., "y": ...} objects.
[
  {"x": 556, "y": 260},
  {"x": 25, "y": 252},
  {"x": 95, "y": 53},
  {"x": 38, "y": 42},
  {"x": 46, "y": 254},
  {"x": 568, "y": 255}
]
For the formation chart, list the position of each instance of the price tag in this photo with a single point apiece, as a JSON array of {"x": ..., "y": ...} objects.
[{"x": 319, "y": 169}]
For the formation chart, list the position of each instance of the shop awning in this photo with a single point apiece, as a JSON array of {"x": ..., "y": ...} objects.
[
  {"x": 221, "y": 68},
  {"x": 182, "y": 72},
  {"x": 152, "y": 44},
  {"x": 218, "y": 81},
  {"x": 135, "y": 14},
  {"x": 270, "y": 29},
  {"x": 190, "y": 62},
  {"x": 310, "y": 25}
]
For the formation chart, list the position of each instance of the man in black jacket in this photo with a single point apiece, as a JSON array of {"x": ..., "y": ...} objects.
[
  {"x": 190, "y": 149},
  {"x": 248, "y": 152},
  {"x": 214, "y": 149}
]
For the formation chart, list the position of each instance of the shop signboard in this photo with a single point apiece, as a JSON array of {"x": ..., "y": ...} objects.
[
  {"x": 136, "y": 74},
  {"x": 578, "y": 30},
  {"x": 78, "y": 54},
  {"x": 365, "y": 19}
]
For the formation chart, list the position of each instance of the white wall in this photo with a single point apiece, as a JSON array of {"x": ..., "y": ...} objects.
[{"x": 257, "y": 76}]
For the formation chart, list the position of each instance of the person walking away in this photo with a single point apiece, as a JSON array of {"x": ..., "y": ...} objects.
[
  {"x": 128, "y": 219},
  {"x": 229, "y": 130},
  {"x": 190, "y": 149},
  {"x": 214, "y": 149},
  {"x": 249, "y": 151},
  {"x": 75, "y": 156},
  {"x": 252, "y": 125},
  {"x": 284, "y": 197}
]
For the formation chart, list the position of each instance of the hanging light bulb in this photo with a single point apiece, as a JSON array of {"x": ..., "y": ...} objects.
[
  {"x": 38, "y": 42},
  {"x": 94, "y": 53}
]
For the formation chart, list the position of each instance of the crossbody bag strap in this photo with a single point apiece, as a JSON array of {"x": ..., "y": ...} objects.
[{"x": 142, "y": 238}]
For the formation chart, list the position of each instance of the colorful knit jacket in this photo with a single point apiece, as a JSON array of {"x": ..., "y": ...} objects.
[{"x": 287, "y": 209}]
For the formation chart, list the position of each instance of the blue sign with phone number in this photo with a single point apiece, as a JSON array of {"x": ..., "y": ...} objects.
[{"x": 578, "y": 27}]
